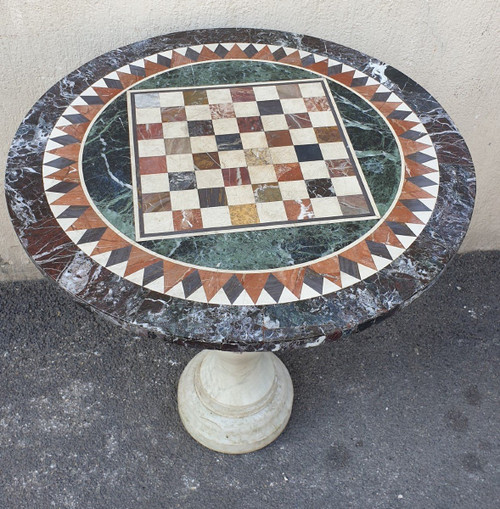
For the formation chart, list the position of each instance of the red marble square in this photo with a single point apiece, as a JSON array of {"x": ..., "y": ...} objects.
[
  {"x": 222, "y": 111},
  {"x": 151, "y": 165},
  {"x": 173, "y": 114},
  {"x": 236, "y": 176},
  {"x": 149, "y": 131},
  {"x": 298, "y": 209},
  {"x": 298, "y": 120},
  {"x": 189, "y": 219},
  {"x": 156, "y": 202},
  {"x": 242, "y": 94},
  {"x": 288, "y": 171},
  {"x": 340, "y": 168},
  {"x": 317, "y": 104},
  {"x": 278, "y": 138},
  {"x": 250, "y": 124},
  {"x": 354, "y": 205}
]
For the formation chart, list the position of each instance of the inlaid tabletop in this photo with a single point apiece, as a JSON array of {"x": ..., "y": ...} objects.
[{"x": 240, "y": 189}]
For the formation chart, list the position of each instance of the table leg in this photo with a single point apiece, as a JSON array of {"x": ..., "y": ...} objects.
[{"x": 235, "y": 402}]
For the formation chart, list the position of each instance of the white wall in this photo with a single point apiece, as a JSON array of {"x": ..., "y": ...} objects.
[{"x": 450, "y": 47}]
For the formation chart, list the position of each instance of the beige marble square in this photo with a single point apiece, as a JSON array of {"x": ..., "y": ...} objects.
[
  {"x": 345, "y": 186},
  {"x": 158, "y": 222},
  {"x": 326, "y": 207},
  {"x": 150, "y": 148},
  {"x": 155, "y": 183},
  {"x": 182, "y": 200}
]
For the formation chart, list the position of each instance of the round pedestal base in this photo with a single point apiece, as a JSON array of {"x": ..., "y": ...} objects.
[{"x": 235, "y": 402}]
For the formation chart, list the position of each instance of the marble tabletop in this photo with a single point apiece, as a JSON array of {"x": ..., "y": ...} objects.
[{"x": 240, "y": 189}]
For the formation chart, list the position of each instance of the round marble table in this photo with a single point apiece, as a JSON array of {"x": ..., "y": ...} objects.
[{"x": 241, "y": 190}]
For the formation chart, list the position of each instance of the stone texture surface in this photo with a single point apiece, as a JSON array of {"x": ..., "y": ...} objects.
[
  {"x": 459, "y": 52},
  {"x": 383, "y": 419}
]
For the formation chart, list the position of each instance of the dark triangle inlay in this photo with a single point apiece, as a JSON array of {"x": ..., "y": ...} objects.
[
  {"x": 250, "y": 51},
  {"x": 137, "y": 71},
  {"x": 162, "y": 60},
  {"x": 59, "y": 163},
  {"x": 192, "y": 54},
  {"x": 422, "y": 181},
  {"x": 378, "y": 249},
  {"x": 152, "y": 273},
  {"x": 111, "y": 83},
  {"x": 279, "y": 54},
  {"x": 191, "y": 283},
  {"x": 65, "y": 140},
  {"x": 314, "y": 280},
  {"x": 76, "y": 119},
  {"x": 309, "y": 60},
  {"x": 399, "y": 114},
  {"x": 381, "y": 97},
  {"x": 415, "y": 205},
  {"x": 119, "y": 256},
  {"x": 400, "y": 229},
  {"x": 359, "y": 82},
  {"x": 221, "y": 51},
  {"x": 92, "y": 99},
  {"x": 63, "y": 187},
  {"x": 420, "y": 157},
  {"x": 92, "y": 235},
  {"x": 233, "y": 289},
  {"x": 274, "y": 288},
  {"x": 335, "y": 69},
  {"x": 349, "y": 267},
  {"x": 412, "y": 135},
  {"x": 73, "y": 212}
]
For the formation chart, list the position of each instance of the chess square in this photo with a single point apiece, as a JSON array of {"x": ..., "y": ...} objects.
[
  {"x": 228, "y": 142},
  {"x": 155, "y": 183},
  {"x": 270, "y": 107},
  {"x": 242, "y": 156},
  {"x": 320, "y": 188},
  {"x": 262, "y": 174},
  {"x": 158, "y": 222},
  {"x": 149, "y": 148},
  {"x": 209, "y": 178},
  {"x": 182, "y": 180},
  {"x": 203, "y": 144},
  {"x": 219, "y": 96},
  {"x": 216, "y": 217}
]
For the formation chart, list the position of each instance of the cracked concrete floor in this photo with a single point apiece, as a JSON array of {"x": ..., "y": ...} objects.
[{"x": 403, "y": 415}]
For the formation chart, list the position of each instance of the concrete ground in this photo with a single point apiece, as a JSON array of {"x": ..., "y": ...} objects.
[{"x": 402, "y": 415}]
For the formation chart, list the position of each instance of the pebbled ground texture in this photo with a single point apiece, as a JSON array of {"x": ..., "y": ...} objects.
[{"x": 402, "y": 415}]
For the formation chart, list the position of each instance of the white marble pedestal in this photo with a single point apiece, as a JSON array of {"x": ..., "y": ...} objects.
[{"x": 235, "y": 402}]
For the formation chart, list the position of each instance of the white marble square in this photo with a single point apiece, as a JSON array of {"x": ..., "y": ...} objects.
[
  {"x": 158, "y": 222},
  {"x": 262, "y": 174},
  {"x": 314, "y": 170},
  {"x": 232, "y": 158},
  {"x": 265, "y": 92},
  {"x": 215, "y": 217},
  {"x": 296, "y": 105},
  {"x": 274, "y": 122},
  {"x": 201, "y": 144},
  {"x": 346, "y": 186},
  {"x": 147, "y": 100},
  {"x": 322, "y": 118},
  {"x": 326, "y": 207},
  {"x": 198, "y": 112},
  {"x": 219, "y": 95},
  {"x": 225, "y": 126},
  {"x": 184, "y": 200},
  {"x": 312, "y": 89},
  {"x": 283, "y": 155},
  {"x": 175, "y": 129},
  {"x": 254, "y": 140},
  {"x": 148, "y": 116},
  {"x": 150, "y": 148},
  {"x": 174, "y": 98},
  {"x": 209, "y": 178},
  {"x": 246, "y": 109},
  {"x": 271, "y": 211},
  {"x": 335, "y": 150},
  {"x": 180, "y": 162},
  {"x": 303, "y": 136},
  {"x": 155, "y": 183},
  {"x": 240, "y": 195},
  {"x": 293, "y": 190}
]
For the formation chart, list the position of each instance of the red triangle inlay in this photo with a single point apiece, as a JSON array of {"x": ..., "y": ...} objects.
[
  {"x": 69, "y": 151},
  {"x": 329, "y": 269},
  {"x": 74, "y": 197},
  {"x": 138, "y": 259},
  {"x": 127, "y": 80},
  {"x": 401, "y": 214},
  {"x": 293, "y": 279},
  {"x": 89, "y": 111},
  {"x": 173, "y": 273},
  {"x": 109, "y": 242},
  {"x": 153, "y": 68},
  {"x": 411, "y": 191},
  {"x": 367, "y": 91},
  {"x": 320, "y": 67},
  {"x": 264, "y": 54},
  {"x": 213, "y": 281},
  {"x": 292, "y": 59},
  {"x": 236, "y": 52},
  {"x": 106, "y": 94},
  {"x": 360, "y": 254},
  {"x": 344, "y": 77},
  {"x": 76, "y": 130},
  {"x": 384, "y": 235},
  {"x": 178, "y": 59},
  {"x": 68, "y": 174},
  {"x": 207, "y": 54},
  {"x": 253, "y": 283},
  {"x": 88, "y": 220}
]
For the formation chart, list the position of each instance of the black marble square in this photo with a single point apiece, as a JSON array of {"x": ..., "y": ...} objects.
[
  {"x": 229, "y": 142},
  {"x": 200, "y": 128},
  {"x": 212, "y": 197},
  {"x": 271, "y": 107},
  {"x": 310, "y": 152},
  {"x": 320, "y": 188},
  {"x": 180, "y": 181}
]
